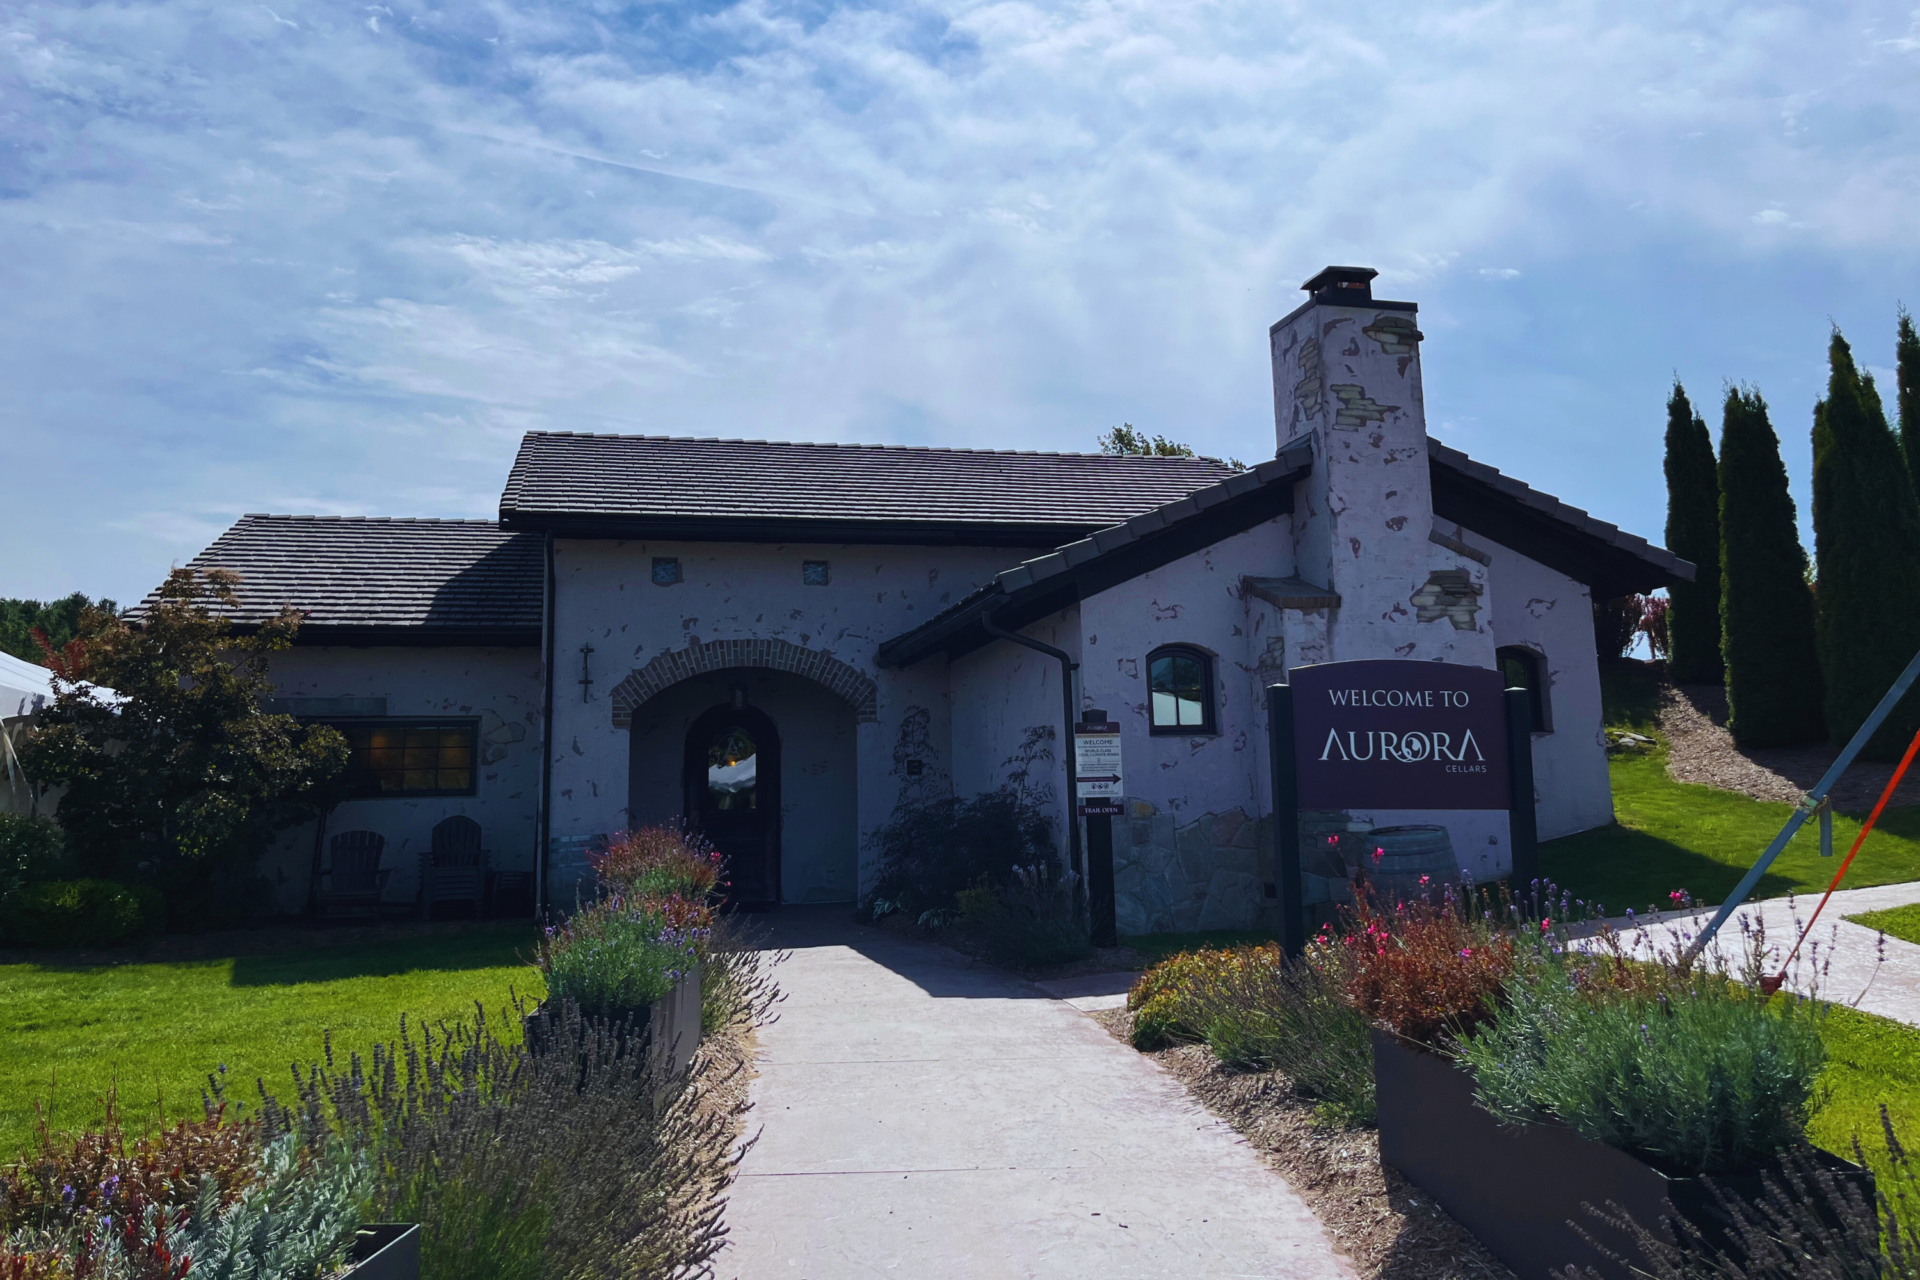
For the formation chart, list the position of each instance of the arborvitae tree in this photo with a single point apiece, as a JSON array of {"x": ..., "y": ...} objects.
[
  {"x": 1866, "y": 529},
  {"x": 1766, "y": 604},
  {"x": 1906, "y": 359},
  {"x": 1693, "y": 533}
]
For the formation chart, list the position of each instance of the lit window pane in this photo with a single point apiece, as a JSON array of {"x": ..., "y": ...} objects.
[
  {"x": 1190, "y": 713},
  {"x": 1163, "y": 708}
]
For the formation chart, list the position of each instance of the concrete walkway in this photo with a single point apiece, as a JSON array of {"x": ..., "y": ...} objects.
[
  {"x": 927, "y": 1117},
  {"x": 1859, "y": 972}
]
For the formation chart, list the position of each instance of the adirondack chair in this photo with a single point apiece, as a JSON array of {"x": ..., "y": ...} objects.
[
  {"x": 455, "y": 868},
  {"x": 355, "y": 880}
]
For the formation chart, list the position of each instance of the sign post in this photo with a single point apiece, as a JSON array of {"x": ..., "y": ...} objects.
[
  {"x": 1100, "y": 786},
  {"x": 1288, "y": 886},
  {"x": 1523, "y": 832}
]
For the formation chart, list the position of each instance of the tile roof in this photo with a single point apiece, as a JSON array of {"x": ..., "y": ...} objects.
[
  {"x": 444, "y": 581},
  {"x": 665, "y": 484}
]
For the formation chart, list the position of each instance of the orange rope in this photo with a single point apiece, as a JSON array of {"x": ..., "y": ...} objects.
[{"x": 1773, "y": 984}]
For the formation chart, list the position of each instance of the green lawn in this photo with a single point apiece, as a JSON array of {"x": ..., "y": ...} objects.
[
  {"x": 1670, "y": 835},
  {"x": 158, "y": 1029},
  {"x": 1897, "y": 922},
  {"x": 1870, "y": 1060}
]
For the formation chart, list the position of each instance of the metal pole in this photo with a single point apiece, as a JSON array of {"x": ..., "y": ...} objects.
[
  {"x": 545, "y": 835},
  {"x": 1523, "y": 831},
  {"x": 1286, "y": 821},
  {"x": 1808, "y": 806},
  {"x": 1067, "y": 667}
]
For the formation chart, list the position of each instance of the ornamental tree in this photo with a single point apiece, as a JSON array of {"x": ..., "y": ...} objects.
[
  {"x": 184, "y": 775},
  {"x": 1906, "y": 361},
  {"x": 1693, "y": 533},
  {"x": 1866, "y": 528},
  {"x": 1766, "y": 604}
]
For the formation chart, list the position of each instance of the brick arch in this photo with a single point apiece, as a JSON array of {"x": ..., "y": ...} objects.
[{"x": 857, "y": 690}]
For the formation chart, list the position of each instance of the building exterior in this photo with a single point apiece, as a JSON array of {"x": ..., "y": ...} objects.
[{"x": 780, "y": 643}]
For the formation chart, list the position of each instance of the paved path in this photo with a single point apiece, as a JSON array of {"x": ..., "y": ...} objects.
[
  {"x": 1851, "y": 953},
  {"x": 926, "y": 1117}
]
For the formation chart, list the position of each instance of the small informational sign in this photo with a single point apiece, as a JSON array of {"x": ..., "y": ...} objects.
[
  {"x": 1099, "y": 780},
  {"x": 1399, "y": 735}
]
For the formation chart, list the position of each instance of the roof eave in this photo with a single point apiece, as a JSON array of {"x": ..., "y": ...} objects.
[{"x": 1108, "y": 557}]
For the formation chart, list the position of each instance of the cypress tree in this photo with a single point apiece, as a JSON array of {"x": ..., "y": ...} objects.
[
  {"x": 1693, "y": 533},
  {"x": 1766, "y": 604},
  {"x": 1866, "y": 529},
  {"x": 1906, "y": 359}
]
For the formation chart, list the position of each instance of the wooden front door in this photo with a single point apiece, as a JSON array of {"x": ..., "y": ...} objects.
[{"x": 733, "y": 798}]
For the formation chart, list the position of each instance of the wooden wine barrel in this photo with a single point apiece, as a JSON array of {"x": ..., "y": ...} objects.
[{"x": 1396, "y": 858}]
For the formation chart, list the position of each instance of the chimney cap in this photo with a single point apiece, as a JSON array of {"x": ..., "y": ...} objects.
[{"x": 1343, "y": 283}]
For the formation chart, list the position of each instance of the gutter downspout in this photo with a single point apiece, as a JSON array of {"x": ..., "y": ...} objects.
[
  {"x": 1067, "y": 667},
  {"x": 540, "y": 853}
]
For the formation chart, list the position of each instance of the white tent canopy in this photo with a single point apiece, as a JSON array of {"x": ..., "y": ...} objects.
[{"x": 25, "y": 689}]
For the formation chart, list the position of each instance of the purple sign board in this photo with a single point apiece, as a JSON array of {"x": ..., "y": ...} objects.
[{"x": 1399, "y": 735}]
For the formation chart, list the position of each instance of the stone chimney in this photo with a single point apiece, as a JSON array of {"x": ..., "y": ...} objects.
[{"x": 1346, "y": 371}]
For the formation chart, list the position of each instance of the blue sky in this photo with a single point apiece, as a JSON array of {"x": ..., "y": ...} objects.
[{"x": 335, "y": 258}]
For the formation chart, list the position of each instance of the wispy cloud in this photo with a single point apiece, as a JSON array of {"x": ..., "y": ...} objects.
[{"x": 368, "y": 245}]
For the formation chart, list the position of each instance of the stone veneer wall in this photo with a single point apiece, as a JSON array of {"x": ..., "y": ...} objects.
[{"x": 1211, "y": 873}]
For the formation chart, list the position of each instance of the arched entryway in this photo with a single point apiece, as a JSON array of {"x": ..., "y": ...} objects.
[
  {"x": 731, "y": 774},
  {"x": 815, "y": 800}
]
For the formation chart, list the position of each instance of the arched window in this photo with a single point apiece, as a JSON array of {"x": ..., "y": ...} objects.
[
  {"x": 1179, "y": 691},
  {"x": 1524, "y": 669}
]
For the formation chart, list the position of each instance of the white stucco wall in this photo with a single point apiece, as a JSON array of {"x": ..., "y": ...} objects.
[
  {"x": 818, "y": 772},
  {"x": 1000, "y": 692},
  {"x": 499, "y": 687},
  {"x": 734, "y": 591},
  {"x": 1548, "y": 612}
]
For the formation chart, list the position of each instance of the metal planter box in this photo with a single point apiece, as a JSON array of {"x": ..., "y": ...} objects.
[
  {"x": 1518, "y": 1187},
  {"x": 669, "y": 1027},
  {"x": 385, "y": 1251}
]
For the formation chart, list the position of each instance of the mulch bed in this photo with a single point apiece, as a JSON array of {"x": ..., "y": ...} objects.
[
  {"x": 1386, "y": 1227},
  {"x": 1694, "y": 718}
]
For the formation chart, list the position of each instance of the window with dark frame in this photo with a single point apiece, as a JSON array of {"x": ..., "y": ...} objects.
[
  {"x": 411, "y": 757},
  {"x": 815, "y": 573},
  {"x": 1522, "y": 668},
  {"x": 1179, "y": 691}
]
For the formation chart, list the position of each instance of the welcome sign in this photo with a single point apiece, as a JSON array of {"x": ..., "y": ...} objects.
[{"x": 1399, "y": 735}]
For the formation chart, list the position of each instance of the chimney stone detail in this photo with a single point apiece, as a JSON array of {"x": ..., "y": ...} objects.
[{"x": 1346, "y": 371}]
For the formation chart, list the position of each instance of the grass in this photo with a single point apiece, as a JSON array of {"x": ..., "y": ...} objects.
[
  {"x": 159, "y": 1028},
  {"x": 1895, "y": 922},
  {"x": 1870, "y": 1060},
  {"x": 1669, "y": 835}
]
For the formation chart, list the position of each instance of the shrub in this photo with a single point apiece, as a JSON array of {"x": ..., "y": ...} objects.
[
  {"x": 1807, "y": 1224},
  {"x": 1426, "y": 970},
  {"x": 658, "y": 862},
  {"x": 1706, "y": 1077},
  {"x": 81, "y": 913},
  {"x": 1036, "y": 918},
  {"x": 202, "y": 1198},
  {"x": 1268, "y": 1013},
  {"x": 528, "y": 1165},
  {"x": 927, "y": 853},
  {"x": 31, "y": 850},
  {"x": 1160, "y": 997},
  {"x": 614, "y": 958}
]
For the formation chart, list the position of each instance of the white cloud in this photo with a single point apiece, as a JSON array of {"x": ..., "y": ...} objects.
[{"x": 370, "y": 245}]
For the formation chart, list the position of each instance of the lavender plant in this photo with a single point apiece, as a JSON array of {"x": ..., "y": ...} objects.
[
  {"x": 618, "y": 956},
  {"x": 1808, "y": 1224}
]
